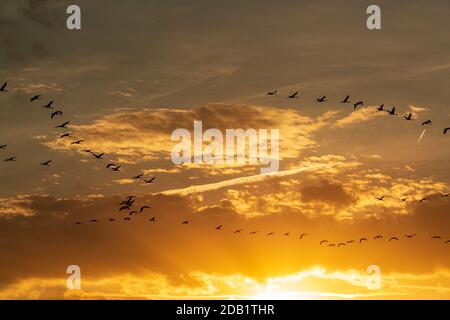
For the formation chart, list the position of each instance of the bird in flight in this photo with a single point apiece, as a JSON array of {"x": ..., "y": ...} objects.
[
  {"x": 392, "y": 112},
  {"x": 356, "y": 105},
  {"x": 422, "y": 200},
  {"x": 10, "y": 159},
  {"x": 272, "y": 93},
  {"x": 111, "y": 219},
  {"x": 126, "y": 207},
  {"x": 98, "y": 156},
  {"x": 36, "y": 97},
  {"x": 77, "y": 142},
  {"x": 346, "y": 100},
  {"x": 426, "y": 122},
  {"x": 152, "y": 219},
  {"x": 63, "y": 125},
  {"x": 3, "y": 146},
  {"x": 143, "y": 208},
  {"x": 110, "y": 165},
  {"x": 48, "y": 105},
  {"x": 116, "y": 168},
  {"x": 3, "y": 88},
  {"x": 409, "y": 117},
  {"x": 186, "y": 222},
  {"x": 378, "y": 237},
  {"x": 238, "y": 231},
  {"x": 94, "y": 220},
  {"x": 46, "y": 163},
  {"x": 393, "y": 238},
  {"x": 126, "y": 219},
  {"x": 403, "y": 199},
  {"x": 294, "y": 95},
  {"x": 253, "y": 232},
  {"x": 303, "y": 235},
  {"x": 380, "y": 198},
  {"x": 287, "y": 234},
  {"x": 56, "y": 113},
  {"x": 350, "y": 241},
  {"x": 78, "y": 222},
  {"x": 150, "y": 180},
  {"x": 448, "y": 241},
  {"x": 332, "y": 244},
  {"x": 323, "y": 99},
  {"x": 445, "y": 194},
  {"x": 446, "y": 130},
  {"x": 138, "y": 176},
  {"x": 341, "y": 244},
  {"x": 323, "y": 241},
  {"x": 132, "y": 212},
  {"x": 362, "y": 239},
  {"x": 436, "y": 237},
  {"x": 270, "y": 234},
  {"x": 380, "y": 108},
  {"x": 409, "y": 236},
  {"x": 65, "y": 135},
  {"x": 219, "y": 227}
]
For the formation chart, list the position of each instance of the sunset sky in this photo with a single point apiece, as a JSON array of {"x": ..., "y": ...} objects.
[{"x": 138, "y": 70}]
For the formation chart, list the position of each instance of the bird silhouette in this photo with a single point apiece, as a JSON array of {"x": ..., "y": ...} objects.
[
  {"x": 143, "y": 208},
  {"x": 110, "y": 165},
  {"x": 138, "y": 176},
  {"x": 287, "y": 234},
  {"x": 350, "y": 241},
  {"x": 346, "y": 100},
  {"x": 356, "y": 105},
  {"x": 56, "y": 113},
  {"x": 378, "y": 237},
  {"x": 46, "y": 163},
  {"x": 10, "y": 159},
  {"x": 94, "y": 220},
  {"x": 323, "y": 241},
  {"x": 77, "y": 142},
  {"x": 436, "y": 237},
  {"x": 426, "y": 122},
  {"x": 409, "y": 117},
  {"x": 332, "y": 244},
  {"x": 422, "y": 200},
  {"x": 446, "y": 130},
  {"x": 152, "y": 219},
  {"x": 380, "y": 198},
  {"x": 270, "y": 234},
  {"x": 48, "y": 105},
  {"x": 63, "y": 125},
  {"x": 186, "y": 222},
  {"x": 362, "y": 239},
  {"x": 303, "y": 235},
  {"x": 3, "y": 146},
  {"x": 403, "y": 199},
  {"x": 36, "y": 97},
  {"x": 392, "y": 112},
  {"x": 78, "y": 222},
  {"x": 253, "y": 232},
  {"x": 294, "y": 95},
  {"x": 111, "y": 219},
  {"x": 219, "y": 227},
  {"x": 272, "y": 93},
  {"x": 448, "y": 241},
  {"x": 126, "y": 207},
  {"x": 393, "y": 238},
  {"x": 445, "y": 194},
  {"x": 116, "y": 168},
  {"x": 3, "y": 88},
  {"x": 150, "y": 180},
  {"x": 126, "y": 219},
  {"x": 98, "y": 156},
  {"x": 65, "y": 135},
  {"x": 380, "y": 108},
  {"x": 132, "y": 212},
  {"x": 238, "y": 231},
  {"x": 409, "y": 236},
  {"x": 341, "y": 244},
  {"x": 323, "y": 99}
]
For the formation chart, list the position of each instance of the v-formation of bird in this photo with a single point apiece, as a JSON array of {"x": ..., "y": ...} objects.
[{"x": 64, "y": 125}]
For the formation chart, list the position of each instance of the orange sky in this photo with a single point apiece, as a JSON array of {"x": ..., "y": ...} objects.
[{"x": 124, "y": 96}]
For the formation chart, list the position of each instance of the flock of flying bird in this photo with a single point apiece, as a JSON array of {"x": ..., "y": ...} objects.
[
  {"x": 58, "y": 113},
  {"x": 128, "y": 203}
]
